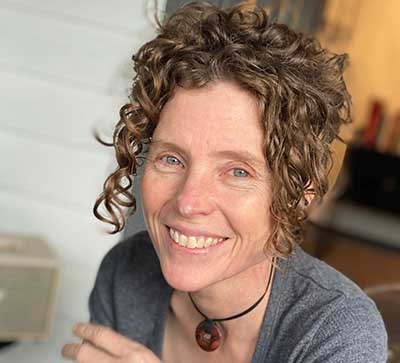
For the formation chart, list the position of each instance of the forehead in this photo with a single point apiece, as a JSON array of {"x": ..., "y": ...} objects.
[{"x": 218, "y": 116}]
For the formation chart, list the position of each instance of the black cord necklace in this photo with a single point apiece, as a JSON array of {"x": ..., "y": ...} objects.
[{"x": 209, "y": 332}]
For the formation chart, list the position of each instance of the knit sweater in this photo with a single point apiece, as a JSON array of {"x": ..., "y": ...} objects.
[{"x": 315, "y": 314}]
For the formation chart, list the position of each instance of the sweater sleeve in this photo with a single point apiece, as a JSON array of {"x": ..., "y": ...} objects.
[
  {"x": 352, "y": 333},
  {"x": 101, "y": 301}
]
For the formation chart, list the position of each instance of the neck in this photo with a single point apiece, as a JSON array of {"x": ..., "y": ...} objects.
[{"x": 227, "y": 298}]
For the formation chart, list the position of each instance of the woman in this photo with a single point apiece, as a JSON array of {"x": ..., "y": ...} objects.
[{"x": 238, "y": 114}]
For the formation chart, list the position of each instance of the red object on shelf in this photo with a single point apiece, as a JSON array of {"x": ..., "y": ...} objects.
[
  {"x": 393, "y": 134},
  {"x": 374, "y": 123}
]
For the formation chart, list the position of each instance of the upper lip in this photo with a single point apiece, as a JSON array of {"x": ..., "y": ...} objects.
[{"x": 194, "y": 232}]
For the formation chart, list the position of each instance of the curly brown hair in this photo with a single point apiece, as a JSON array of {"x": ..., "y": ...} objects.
[{"x": 299, "y": 86}]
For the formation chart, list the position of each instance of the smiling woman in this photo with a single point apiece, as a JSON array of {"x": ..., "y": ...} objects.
[
  {"x": 206, "y": 190},
  {"x": 238, "y": 115}
]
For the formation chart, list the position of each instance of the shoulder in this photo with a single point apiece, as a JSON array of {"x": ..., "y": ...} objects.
[
  {"x": 132, "y": 257},
  {"x": 130, "y": 261},
  {"x": 135, "y": 248},
  {"x": 355, "y": 329},
  {"x": 318, "y": 285},
  {"x": 322, "y": 311},
  {"x": 319, "y": 277},
  {"x": 129, "y": 281}
]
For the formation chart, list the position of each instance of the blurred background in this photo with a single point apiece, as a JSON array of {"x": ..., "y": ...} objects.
[{"x": 65, "y": 69}]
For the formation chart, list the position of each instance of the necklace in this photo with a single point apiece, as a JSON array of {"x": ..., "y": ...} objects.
[{"x": 209, "y": 332}]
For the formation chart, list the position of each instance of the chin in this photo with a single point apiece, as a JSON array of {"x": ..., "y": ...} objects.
[{"x": 183, "y": 280}]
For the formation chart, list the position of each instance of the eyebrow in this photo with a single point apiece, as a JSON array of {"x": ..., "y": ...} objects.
[{"x": 242, "y": 155}]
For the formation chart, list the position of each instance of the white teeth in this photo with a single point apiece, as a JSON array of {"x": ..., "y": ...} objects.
[
  {"x": 176, "y": 236},
  {"x": 200, "y": 242},
  {"x": 183, "y": 240},
  {"x": 191, "y": 241},
  {"x": 208, "y": 242}
]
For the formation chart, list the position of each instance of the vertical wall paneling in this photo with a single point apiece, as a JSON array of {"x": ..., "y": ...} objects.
[{"x": 65, "y": 69}]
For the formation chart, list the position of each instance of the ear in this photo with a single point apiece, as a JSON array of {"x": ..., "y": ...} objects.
[{"x": 309, "y": 195}]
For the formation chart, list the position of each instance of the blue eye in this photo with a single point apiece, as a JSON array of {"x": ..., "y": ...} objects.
[
  {"x": 169, "y": 159},
  {"x": 241, "y": 173}
]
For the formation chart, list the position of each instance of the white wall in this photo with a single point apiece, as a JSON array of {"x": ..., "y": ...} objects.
[{"x": 65, "y": 67}]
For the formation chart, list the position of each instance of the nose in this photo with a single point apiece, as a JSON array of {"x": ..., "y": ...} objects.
[{"x": 195, "y": 196}]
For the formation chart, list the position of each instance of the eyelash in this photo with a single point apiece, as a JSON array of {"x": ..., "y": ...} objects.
[
  {"x": 247, "y": 173},
  {"x": 165, "y": 158}
]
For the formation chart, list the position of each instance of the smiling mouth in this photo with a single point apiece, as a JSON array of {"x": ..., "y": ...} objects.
[{"x": 193, "y": 241}]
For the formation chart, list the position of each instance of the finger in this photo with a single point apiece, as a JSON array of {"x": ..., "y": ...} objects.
[
  {"x": 106, "y": 339},
  {"x": 85, "y": 353}
]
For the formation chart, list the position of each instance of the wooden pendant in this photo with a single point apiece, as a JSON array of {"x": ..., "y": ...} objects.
[{"x": 208, "y": 335}]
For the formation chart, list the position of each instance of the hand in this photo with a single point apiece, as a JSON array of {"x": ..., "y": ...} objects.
[{"x": 103, "y": 345}]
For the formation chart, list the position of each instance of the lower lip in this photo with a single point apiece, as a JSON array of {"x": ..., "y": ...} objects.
[{"x": 193, "y": 251}]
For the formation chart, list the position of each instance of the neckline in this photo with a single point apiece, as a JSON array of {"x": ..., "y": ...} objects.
[
  {"x": 268, "y": 323},
  {"x": 271, "y": 312}
]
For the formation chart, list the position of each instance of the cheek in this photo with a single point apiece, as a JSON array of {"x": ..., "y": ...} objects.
[
  {"x": 156, "y": 191},
  {"x": 250, "y": 215},
  {"x": 150, "y": 192}
]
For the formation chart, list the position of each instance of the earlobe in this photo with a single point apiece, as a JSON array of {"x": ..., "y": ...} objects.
[
  {"x": 309, "y": 195},
  {"x": 308, "y": 198}
]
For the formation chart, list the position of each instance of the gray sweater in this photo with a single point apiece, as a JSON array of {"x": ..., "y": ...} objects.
[{"x": 315, "y": 314}]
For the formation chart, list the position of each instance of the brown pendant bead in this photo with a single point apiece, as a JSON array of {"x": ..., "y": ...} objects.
[{"x": 208, "y": 335}]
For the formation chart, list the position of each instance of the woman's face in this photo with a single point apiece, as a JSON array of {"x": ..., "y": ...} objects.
[{"x": 207, "y": 184}]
